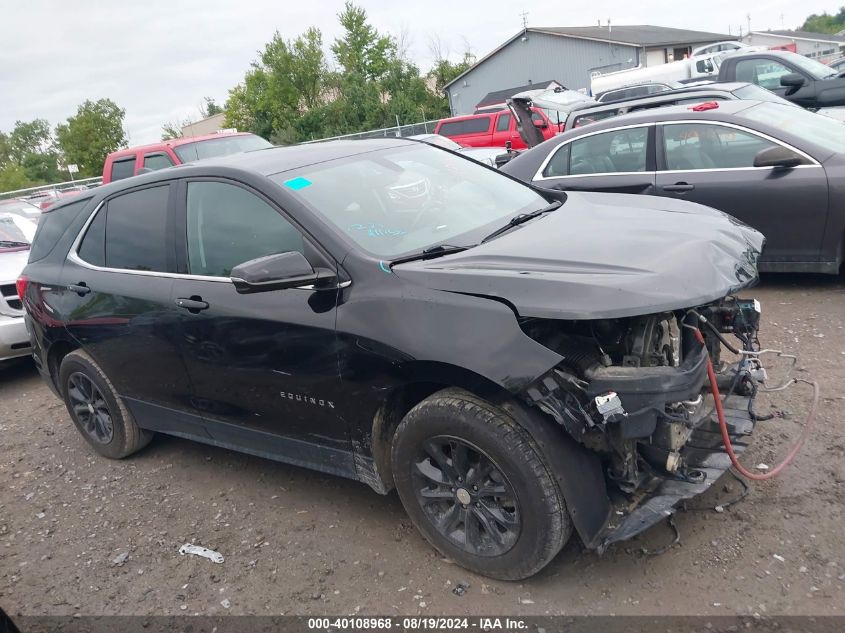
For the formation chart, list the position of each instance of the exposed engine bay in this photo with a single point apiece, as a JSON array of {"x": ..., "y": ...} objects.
[{"x": 635, "y": 391}]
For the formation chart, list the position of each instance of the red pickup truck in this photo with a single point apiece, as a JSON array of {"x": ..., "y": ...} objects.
[
  {"x": 493, "y": 129},
  {"x": 128, "y": 162}
]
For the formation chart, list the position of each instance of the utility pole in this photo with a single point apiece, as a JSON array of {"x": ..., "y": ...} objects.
[
  {"x": 524, "y": 16},
  {"x": 748, "y": 19}
]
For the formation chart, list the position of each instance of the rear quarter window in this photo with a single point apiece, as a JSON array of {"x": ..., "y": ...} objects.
[
  {"x": 51, "y": 226},
  {"x": 467, "y": 126}
]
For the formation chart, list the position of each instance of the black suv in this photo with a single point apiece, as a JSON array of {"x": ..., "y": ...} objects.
[{"x": 513, "y": 361}]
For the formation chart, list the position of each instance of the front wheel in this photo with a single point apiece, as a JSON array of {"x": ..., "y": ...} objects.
[{"x": 476, "y": 487}]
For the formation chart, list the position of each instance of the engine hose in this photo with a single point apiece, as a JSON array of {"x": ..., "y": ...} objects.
[{"x": 726, "y": 438}]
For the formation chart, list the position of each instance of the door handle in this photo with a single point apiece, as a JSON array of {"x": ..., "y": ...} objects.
[
  {"x": 81, "y": 288},
  {"x": 192, "y": 304},
  {"x": 679, "y": 186}
]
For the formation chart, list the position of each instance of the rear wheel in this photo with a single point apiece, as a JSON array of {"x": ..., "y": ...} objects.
[
  {"x": 476, "y": 487},
  {"x": 96, "y": 409}
]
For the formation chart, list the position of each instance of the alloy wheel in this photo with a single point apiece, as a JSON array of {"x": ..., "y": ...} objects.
[
  {"x": 465, "y": 495},
  {"x": 90, "y": 408}
]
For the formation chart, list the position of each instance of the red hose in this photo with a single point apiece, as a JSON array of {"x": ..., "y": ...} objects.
[{"x": 726, "y": 439}]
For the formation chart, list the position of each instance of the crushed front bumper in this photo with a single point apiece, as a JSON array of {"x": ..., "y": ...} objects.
[{"x": 704, "y": 455}]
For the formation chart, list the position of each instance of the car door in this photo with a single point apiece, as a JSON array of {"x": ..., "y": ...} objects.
[
  {"x": 505, "y": 130},
  {"x": 620, "y": 160},
  {"x": 713, "y": 164},
  {"x": 264, "y": 365},
  {"x": 116, "y": 303}
]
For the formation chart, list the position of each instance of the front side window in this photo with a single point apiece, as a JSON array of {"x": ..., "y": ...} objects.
[
  {"x": 123, "y": 168},
  {"x": 399, "y": 200},
  {"x": 606, "y": 153},
  {"x": 157, "y": 161},
  {"x": 766, "y": 73},
  {"x": 228, "y": 225},
  {"x": 137, "y": 227},
  {"x": 703, "y": 146}
]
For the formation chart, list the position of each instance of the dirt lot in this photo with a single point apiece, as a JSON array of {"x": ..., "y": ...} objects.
[{"x": 297, "y": 542}]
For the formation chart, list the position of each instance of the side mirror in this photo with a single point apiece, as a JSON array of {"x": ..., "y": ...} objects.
[
  {"x": 777, "y": 156},
  {"x": 792, "y": 80},
  {"x": 540, "y": 124},
  {"x": 503, "y": 159},
  {"x": 275, "y": 272}
]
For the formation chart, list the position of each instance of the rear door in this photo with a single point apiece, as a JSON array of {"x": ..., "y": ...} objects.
[
  {"x": 505, "y": 130},
  {"x": 117, "y": 304},
  {"x": 713, "y": 164},
  {"x": 619, "y": 161}
]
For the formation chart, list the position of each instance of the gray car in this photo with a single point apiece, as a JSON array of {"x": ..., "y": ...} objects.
[
  {"x": 778, "y": 168},
  {"x": 16, "y": 233}
]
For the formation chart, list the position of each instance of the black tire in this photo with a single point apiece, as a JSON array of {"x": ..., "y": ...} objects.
[
  {"x": 514, "y": 522},
  {"x": 96, "y": 410}
]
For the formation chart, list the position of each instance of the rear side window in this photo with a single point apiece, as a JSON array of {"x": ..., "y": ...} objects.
[
  {"x": 51, "y": 226},
  {"x": 606, "y": 153},
  {"x": 123, "y": 168},
  {"x": 157, "y": 161},
  {"x": 504, "y": 123},
  {"x": 137, "y": 230},
  {"x": 477, "y": 125}
]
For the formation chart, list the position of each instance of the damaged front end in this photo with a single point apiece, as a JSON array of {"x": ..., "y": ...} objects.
[{"x": 635, "y": 391}]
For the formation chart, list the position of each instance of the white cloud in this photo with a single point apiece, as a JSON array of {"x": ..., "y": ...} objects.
[{"x": 158, "y": 59}]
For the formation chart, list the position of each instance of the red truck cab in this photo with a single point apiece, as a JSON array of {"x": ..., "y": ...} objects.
[
  {"x": 128, "y": 162},
  {"x": 493, "y": 129}
]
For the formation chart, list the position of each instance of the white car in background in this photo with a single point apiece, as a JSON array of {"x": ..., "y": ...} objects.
[{"x": 16, "y": 233}]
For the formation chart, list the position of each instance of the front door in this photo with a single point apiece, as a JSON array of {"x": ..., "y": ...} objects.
[
  {"x": 264, "y": 365},
  {"x": 713, "y": 164},
  {"x": 617, "y": 161},
  {"x": 116, "y": 304}
]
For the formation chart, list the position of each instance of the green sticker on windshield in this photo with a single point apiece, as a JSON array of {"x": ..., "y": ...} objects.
[{"x": 297, "y": 183}]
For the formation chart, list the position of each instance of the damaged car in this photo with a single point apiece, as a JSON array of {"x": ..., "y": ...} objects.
[{"x": 519, "y": 364}]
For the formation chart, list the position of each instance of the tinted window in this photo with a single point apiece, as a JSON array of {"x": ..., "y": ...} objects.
[
  {"x": 223, "y": 146},
  {"x": 697, "y": 146},
  {"x": 763, "y": 72},
  {"x": 586, "y": 119},
  {"x": 51, "y": 227},
  {"x": 137, "y": 231},
  {"x": 157, "y": 161},
  {"x": 121, "y": 169},
  {"x": 756, "y": 93},
  {"x": 228, "y": 225},
  {"x": 93, "y": 246},
  {"x": 504, "y": 123},
  {"x": 605, "y": 153},
  {"x": 467, "y": 126}
]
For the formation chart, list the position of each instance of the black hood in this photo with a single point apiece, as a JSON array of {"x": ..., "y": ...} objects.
[{"x": 604, "y": 256}]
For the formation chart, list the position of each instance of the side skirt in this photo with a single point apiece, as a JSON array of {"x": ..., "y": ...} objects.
[{"x": 250, "y": 441}]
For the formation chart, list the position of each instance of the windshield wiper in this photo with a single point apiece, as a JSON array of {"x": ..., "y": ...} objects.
[
  {"x": 12, "y": 243},
  {"x": 522, "y": 218},
  {"x": 430, "y": 253}
]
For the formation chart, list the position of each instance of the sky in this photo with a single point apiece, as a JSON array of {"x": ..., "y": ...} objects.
[{"x": 158, "y": 59}]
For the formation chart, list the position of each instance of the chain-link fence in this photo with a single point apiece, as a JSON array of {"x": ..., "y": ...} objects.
[
  {"x": 47, "y": 190},
  {"x": 424, "y": 127}
]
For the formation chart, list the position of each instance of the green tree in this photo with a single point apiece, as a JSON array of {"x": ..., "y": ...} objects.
[
  {"x": 362, "y": 51},
  {"x": 824, "y": 23},
  {"x": 171, "y": 130},
  {"x": 210, "y": 108},
  {"x": 94, "y": 131},
  {"x": 31, "y": 149},
  {"x": 12, "y": 176}
]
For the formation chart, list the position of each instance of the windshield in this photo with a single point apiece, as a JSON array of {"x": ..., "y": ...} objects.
[
  {"x": 815, "y": 128},
  {"x": 15, "y": 231},
  {"x": 20, "y": 207},
  {"x": 756, "y": 93},
  {"x": 222, "y": 146},
  {"x": 401, "y": 200},
  {"x": 816, "y": 69}
]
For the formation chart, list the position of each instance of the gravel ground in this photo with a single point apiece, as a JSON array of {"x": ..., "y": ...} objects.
[{"x": 82, "y": 534}]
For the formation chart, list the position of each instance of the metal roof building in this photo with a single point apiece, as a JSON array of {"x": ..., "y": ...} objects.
[
  {"x": 570, "y": 54},
  {"x": 821, "y": 46}
]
